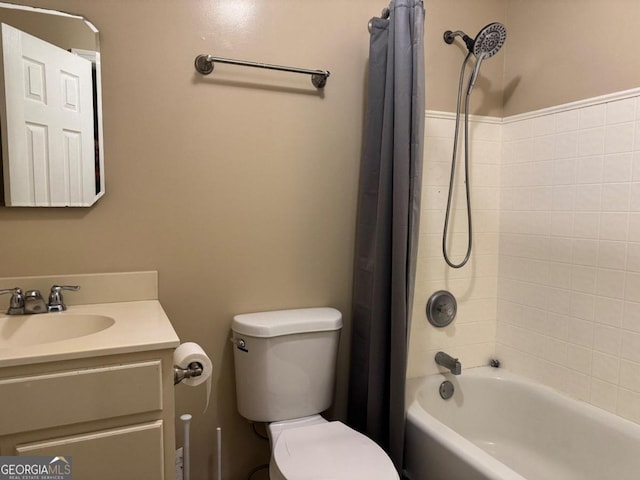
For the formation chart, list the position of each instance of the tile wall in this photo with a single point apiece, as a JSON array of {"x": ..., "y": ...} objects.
[
  {"x": 472, "y": 336},
  {"x": 568, "y": 296},
  {"x": 553, "y": 285}
]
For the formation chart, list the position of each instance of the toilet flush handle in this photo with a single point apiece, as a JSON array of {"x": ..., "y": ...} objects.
[{"x": 239, "y": 343}]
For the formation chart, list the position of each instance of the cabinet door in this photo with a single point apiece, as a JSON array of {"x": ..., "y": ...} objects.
[
  {"x": 127, "y": 453},
  {"x": 76, "y": 396}
]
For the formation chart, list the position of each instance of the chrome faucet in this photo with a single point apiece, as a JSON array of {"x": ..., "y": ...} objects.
[
  {"x": 33, "y": 302},
  {"x": 56, "y": 302},
  {"x": 449, "y": 362},
  {"x": 16, "y": 304}
]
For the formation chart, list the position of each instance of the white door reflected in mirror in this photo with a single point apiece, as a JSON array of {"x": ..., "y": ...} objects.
[
  {"x": 50, "y": 109},
  {"x": 49, "y": 101}
]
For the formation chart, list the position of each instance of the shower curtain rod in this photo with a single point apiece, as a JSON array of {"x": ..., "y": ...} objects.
[{"x": 204, "y": 65}]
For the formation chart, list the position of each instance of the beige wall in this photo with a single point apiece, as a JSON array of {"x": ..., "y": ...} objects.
[
  {"x": 239, "y": 188},
  {"x": 562, "y": 51}
]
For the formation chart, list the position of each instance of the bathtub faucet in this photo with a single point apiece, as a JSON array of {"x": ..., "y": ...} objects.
[{"x": 449, "y": 362}]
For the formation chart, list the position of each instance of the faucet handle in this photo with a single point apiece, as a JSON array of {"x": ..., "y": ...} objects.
[
  {"x": 16, "y": 304},
  {"x": 56, "y": 302}
]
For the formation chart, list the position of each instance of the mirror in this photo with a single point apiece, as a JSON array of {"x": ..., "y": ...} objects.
[{"x": 50, "y": 109}]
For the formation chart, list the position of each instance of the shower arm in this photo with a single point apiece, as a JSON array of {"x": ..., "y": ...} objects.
[{"x": 450, "y": 36}]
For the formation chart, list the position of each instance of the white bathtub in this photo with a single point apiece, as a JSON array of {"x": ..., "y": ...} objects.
[{"x": 501, "y": 426}]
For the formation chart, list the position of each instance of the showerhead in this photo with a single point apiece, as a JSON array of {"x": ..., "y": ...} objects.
[
  {"x": 489, "y": 40},
  {"x": 486, "y": 44}
]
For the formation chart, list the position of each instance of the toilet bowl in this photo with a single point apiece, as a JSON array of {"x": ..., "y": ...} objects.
[
  {"x": 314, "y": 449},
  {"x": 285, "y": 365}
]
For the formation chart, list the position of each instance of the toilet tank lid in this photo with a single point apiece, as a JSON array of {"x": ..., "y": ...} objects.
[{"x": 287, "y": 322}]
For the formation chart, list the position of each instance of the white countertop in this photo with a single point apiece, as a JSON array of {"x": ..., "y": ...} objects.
[{"x": 139, "y": 326}]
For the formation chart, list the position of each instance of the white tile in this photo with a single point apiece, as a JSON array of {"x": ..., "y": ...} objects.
[
  {"x": 634, "y": 202},
  {"x": 480, "y": 130},
  {"x": 632, "y": 287},
  {"x": 545, "y": 125},
  {"x": 619, "y": 138},
  {"x": 578, "y": 386},
  {"x": 567, "y": 120},
  {"x": 621, "y": 111},
  {"x": 636, "y": 163},
  {"x": 631, "y": 317},
  {"x": 543, "y": 147},
  {"x": 593, "y": 116},
  {"x": 631, "y": 347},
  {"x": 560, "y": 275},
  {"x": 590, "y": 169},
  {"x": 558, "y": 326},
  {"x": 579, "y": 358},
  {"x": 566, "y": 145},
  {"x": 585, "y": 252},
  {"x": 615, "y": 197},
  {"x": 540, "y": 173},
  {"x": 588, "y": 197},
  {"x": 591, "y": 141},
  {"x": 437, "y": 149},
  {"x": 558, "y": 301},
  {"x": 560, "y": 249},
  {"x": 617, "y": 167},
  {"x": 604, "y": 395},
  {"x": 605, "y": 367},
  {"x": 610, "y": 283},
  {"x": 436, "y": 174},
  {"x": 614, "y": 225},
  {"x": 517, "y": 130},
  {"x": 612, "y": 255},
  {"x": 607, "y": 340},
  {"x": 564, "y": 197},
  {"x": 586, "y": 225},
  {"x": 439, "y": 127},
  {"x": 634, "y": 227},
  {"x": 542, "y": 198},
  {"x": 630, "y": 375},
  {"x": 583, "y": 308},
  {"x": 633, "y": 257},
  {"x": 583, "y": 279},
  {"x": 628, "y": 404},
  {"x": 487, "y": 152},
  {"x": 562, "y": 224},
  {"x": 564, "y": 171},
  {"x": 609, "y": 311}
]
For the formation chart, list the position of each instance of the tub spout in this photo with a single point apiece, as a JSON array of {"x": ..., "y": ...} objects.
[{"x": 449, "y": 362}]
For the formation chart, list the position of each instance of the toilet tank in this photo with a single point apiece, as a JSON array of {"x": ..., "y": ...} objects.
[{"x": 285, "y": 362}]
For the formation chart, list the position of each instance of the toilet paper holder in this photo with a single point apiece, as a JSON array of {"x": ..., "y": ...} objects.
[{"x": 194, "y": 369}]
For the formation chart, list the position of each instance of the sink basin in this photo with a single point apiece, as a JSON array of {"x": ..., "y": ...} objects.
[{"x": 24, "y": 330}]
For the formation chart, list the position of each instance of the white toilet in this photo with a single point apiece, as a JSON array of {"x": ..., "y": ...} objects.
[{"x": 285, "y": 365}]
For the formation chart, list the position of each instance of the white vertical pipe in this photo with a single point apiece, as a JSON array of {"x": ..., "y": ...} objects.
[
  {"x": 186, "y": 457},
  {"x": 219, "y": 455}
]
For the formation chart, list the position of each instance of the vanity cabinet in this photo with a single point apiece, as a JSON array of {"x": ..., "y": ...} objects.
[{"x": 113, "y": 415}]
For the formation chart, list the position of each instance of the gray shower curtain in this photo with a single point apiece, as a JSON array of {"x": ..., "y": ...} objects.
[{"x": 387, "y": 226}]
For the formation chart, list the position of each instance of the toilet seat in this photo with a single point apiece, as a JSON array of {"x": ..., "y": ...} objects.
[{"x": 330, "y": 451}]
